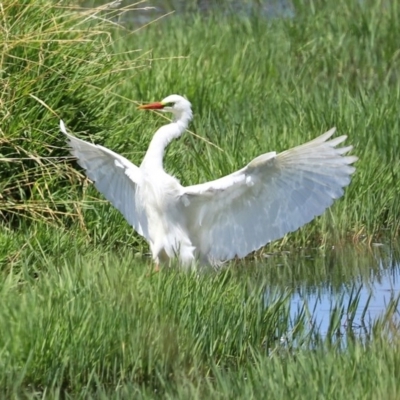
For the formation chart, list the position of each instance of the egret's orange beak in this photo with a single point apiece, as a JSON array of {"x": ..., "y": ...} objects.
[{"x": 152, "y": 106}]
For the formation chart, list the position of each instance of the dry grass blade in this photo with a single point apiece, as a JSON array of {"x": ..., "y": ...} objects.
[{"x": 49, "y": 59}]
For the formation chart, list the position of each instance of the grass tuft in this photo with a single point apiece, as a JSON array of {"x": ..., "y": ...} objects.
[{"x": 56, "y": 61}]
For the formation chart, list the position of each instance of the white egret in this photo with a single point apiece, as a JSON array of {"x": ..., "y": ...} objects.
[{"x": 229, "y": 217}]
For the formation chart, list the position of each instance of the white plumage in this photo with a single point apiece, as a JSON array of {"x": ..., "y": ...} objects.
[{"x": 218, "y": 220}]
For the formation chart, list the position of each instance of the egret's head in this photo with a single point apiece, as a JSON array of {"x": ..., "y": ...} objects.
[{"x": 174, "y": 103}]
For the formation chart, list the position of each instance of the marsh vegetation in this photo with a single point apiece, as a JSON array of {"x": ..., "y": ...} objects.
[{"x": 81, "y": 317}]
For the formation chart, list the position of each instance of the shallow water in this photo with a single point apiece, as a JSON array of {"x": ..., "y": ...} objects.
[
  {"x": 359, "y": 282},
  {"x": 147, "y": 11}
]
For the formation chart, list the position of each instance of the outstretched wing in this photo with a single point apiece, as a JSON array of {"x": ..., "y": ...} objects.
[
  {"x": 271, "y": 196},
  {"x": 114, "y": 176}
]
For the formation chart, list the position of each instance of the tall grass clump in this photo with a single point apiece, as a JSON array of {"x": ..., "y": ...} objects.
[{"x": 55, "y": 61}]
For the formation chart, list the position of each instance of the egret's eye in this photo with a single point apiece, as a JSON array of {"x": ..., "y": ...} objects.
[{"x": 170, "y": 104}]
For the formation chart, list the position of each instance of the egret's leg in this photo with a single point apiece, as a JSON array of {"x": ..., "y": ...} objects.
[{"x": 154, "y": 268}]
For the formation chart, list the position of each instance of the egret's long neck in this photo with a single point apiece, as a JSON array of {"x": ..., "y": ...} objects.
[{"x": 161, "y": 139}]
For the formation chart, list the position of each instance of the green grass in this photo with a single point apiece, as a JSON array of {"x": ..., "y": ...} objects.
[
  {"x": 81, "y": 317},
  {"x": 101, "y": 325}
]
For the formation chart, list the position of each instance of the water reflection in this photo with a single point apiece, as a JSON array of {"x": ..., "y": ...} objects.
[
  {"x": 353, "y": 285},
  {"x": 143, "y": 12}
]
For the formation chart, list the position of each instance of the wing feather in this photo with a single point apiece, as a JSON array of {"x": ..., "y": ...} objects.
[
  {"x": 271, "y": 196},
  {"x": 113, "y": 175}
]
